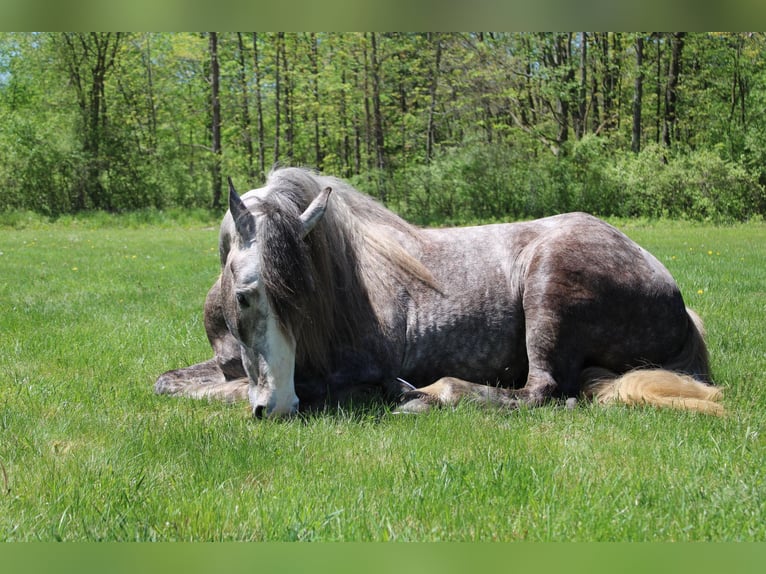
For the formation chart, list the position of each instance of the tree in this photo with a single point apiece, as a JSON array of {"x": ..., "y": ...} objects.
[
  {"x": 247, "y": 137},
  {"x": 316, "y": 104},
  {"x": 611, "y": 53},
  {"x": 499, "y": 123},
  {"x": 377, "y": 128},
  {"x": 638, "y": 90},
  {"x": 435, "y": 40},
  {"x": 671, "y": 90},
  {"x": 215, "y": 120},
  {"x": 287, "y": 106},
  {"x": 259, "y": 109},
  {"x": 278, "y": 51},
  {"x": 88, "y": 59},
  {"x": 581, "y": 115}
]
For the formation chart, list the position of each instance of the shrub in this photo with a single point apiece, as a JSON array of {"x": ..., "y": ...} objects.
[{"x": 696, "y": 185}]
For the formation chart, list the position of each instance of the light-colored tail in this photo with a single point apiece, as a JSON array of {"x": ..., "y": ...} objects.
[
  {"x": 693, "y": 357},
  {"x": 657, "y": 387},
  {"x": 684, "y": 382}
]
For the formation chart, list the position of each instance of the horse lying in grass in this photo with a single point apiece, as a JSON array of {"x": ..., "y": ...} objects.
[{"x": 326, "y": 297}]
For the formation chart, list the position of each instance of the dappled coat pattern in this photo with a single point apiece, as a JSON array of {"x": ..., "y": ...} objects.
[{"x": 327, "y": 297}]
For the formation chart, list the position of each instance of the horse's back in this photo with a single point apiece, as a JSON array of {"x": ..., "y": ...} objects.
[{"x": 470, "y": 325}]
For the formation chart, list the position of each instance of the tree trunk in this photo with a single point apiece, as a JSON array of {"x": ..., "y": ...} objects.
[
  {"x": 617, "y": 52},
  {"x": 484, "y": 93},
  {"x": 530, "y": 119},
  {"x": 247, "y": 138},
  {"x": 403, "y": 106},
  {"x": 595, "y": 104},
  {"x": 345, "y": 143},
  {"x": 434, "y": 84},
  {"x": 609, "y": 83},
  {"x": 361, "y": 131},
  {"x": 378, "y": 134},
  {"x": 671, "y": 90},
  {"x": 580, "y": 119},
  {"x": 739, "y": 86},
  {"x": 318, "y": 156},
  {"x": 287, "y": 90},
  {"x": 562, "y": 53},
  {"x": 367, "y": 112},
  {"x": 259, "y": 109},
  {"x": 658, "y": 89},
  {"x": 215, "y": 123},
  {"x": 150, "y": 95},
  {"x": 277, "y": 90},
  {"x": 638, "y": 90}
]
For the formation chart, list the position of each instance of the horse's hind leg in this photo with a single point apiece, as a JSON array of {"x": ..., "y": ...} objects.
[
  {"x": 541, "y": 386},
  {"x": 552, "y": 345},
  {"x": 449, "y": 391}
]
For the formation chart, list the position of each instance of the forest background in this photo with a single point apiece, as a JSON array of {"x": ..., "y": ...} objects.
[{"x": 441, "y": 127}]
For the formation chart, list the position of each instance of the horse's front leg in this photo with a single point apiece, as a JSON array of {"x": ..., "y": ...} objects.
[
  {"x": 204, "y": 380},
  {"x": 449, "y": 391},
  {"x": 223, "y": 377}
]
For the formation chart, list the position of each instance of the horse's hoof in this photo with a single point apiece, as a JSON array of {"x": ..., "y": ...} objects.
[
  {"x": 414, "y": 402},
  {"x": 413, "y": 407},
  {"x": 167, "y": 384}
]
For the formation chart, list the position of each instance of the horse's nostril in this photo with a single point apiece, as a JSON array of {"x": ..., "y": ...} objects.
[{"x": 259, "y": 411}]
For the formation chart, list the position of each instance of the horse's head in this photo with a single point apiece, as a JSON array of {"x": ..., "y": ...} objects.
[{"x": 251, "y": 306}]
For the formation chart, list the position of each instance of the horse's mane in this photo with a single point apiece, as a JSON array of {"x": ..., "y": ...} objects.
[{"x": 325, "y": 286}]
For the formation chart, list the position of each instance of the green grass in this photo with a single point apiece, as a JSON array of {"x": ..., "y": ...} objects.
[{"x": 91, "y": 314}]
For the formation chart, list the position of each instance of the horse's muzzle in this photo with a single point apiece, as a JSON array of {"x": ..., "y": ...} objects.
[{"x": 277, "y": 411}]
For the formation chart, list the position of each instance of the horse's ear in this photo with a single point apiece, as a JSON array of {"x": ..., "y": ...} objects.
[
  {"x": 314, "y": 211},
  {"x": 244, "y": 221}
]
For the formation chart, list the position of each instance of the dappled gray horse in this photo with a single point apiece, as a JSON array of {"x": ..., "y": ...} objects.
[{"x": 327, "y": 297}]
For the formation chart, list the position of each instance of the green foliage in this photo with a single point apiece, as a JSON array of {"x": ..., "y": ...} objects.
[
  {"x": 696, "y": 185},
  {"x": 91, "y": 313},
  {"x": 36, "y": 174},
  {"x": 443, "y": 127},
  {"x": 483, "y": 183}
]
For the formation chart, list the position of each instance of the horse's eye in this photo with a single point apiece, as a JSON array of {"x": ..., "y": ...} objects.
[{"x": 242, "y": 300}]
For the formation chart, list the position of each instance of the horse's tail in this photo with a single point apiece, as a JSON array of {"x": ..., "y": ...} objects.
[
  {"x": 684, "y": 382},
  {"x": 693, "y": 358},
  {"x": 658, "y": 387}
]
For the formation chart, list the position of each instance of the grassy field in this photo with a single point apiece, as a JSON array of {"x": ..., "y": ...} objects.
[{"x": 90, "y": 315}]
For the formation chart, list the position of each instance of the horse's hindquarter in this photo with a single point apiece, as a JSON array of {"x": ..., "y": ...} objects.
[
  {"x": 470, "y": 327},
  {"x": 560, "y": 293},
  {"x": 594, "y": 297}
]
